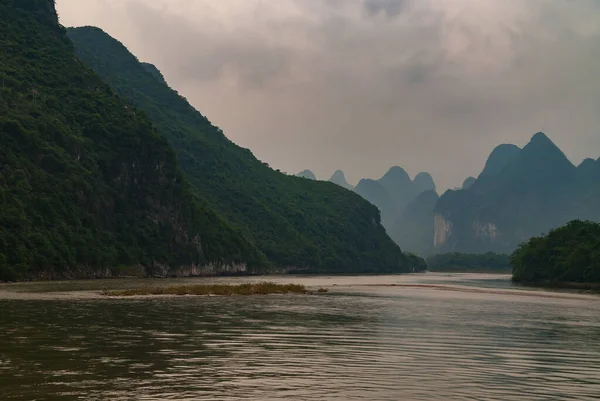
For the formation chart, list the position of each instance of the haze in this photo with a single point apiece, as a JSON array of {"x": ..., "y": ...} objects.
[{"x": 430, "y": 85}]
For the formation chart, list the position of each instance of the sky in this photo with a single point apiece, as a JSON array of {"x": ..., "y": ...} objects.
[{"x": 363, "y": 85}]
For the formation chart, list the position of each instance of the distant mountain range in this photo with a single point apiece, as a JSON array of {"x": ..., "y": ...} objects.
[{"x": 518, "y": 194}]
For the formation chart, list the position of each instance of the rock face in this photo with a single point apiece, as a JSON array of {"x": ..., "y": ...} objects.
[
  {"x": 339, "y": 178},
  {"x": 520, "y": 193},
  {"x": 307, "y": 174}
]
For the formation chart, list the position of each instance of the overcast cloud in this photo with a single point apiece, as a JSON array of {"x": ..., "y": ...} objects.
[{"x": 362, "y": 85}]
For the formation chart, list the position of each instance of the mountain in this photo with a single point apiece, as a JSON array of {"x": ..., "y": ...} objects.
[
  {"x": 423, "y": 182},
  {"x": 413, "y": 229},
  {"x": 86, "y": 184},
  {"x": 520, "y": 194},
  {"x": 393, "y": 192},
  {"x": 399, "y": 186},
  {"x": 468, "y": 183},
  {"x": 339, "y": 178},
  {"x": 156, "y": 74},
  {"x": 307, "y": 174},
  {"x": 375, "y": 193},
  {"x": 299, "y": 224},
  {"x": 499, "y": 158}
]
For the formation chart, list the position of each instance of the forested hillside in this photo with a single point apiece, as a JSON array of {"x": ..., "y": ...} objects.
[
  {"x": 86, "y": 184},
  {"x": 569, "y": 254},
  {"x": 298, "y": 223}
]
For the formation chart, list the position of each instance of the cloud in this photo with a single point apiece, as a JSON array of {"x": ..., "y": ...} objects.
[
  {"x": 390, "y": 8},
  {"x": 362, "y": 85}
]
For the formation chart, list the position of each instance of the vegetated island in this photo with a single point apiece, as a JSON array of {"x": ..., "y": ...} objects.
[
  {"x": 263, "y": 288},
  {"x": 470, "y": 263},
  {"x": 567, "y": 257}
]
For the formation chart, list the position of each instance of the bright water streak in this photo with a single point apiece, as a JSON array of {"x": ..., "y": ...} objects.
[{"x": 374, "y": 343}]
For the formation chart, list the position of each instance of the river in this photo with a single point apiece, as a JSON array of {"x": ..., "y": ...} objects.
[{"x": 400, "y": 337}]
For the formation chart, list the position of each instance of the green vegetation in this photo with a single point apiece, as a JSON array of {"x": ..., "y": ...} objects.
[
  {"x": 86, "y": 183},
  {"x": 569, "y": 254},
  {"x": 463, "y": 262},
  {"x": 301, "y": 225},
  {"x": 264, "y": 288}
]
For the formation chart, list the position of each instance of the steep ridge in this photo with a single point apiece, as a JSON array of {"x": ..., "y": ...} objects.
[
  {"x": 86, "y": 184},
  {"x": 526, "y": 193},
  {"x": 299, "y": 224}
]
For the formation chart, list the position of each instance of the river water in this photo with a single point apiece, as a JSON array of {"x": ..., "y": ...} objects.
[{"x": 411, "y": 337}]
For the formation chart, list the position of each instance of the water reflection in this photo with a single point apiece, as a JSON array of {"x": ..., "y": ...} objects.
[{"x": 380, "y": 344}]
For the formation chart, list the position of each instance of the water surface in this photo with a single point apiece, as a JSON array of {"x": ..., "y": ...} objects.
[{"x": 444, "y": 336}]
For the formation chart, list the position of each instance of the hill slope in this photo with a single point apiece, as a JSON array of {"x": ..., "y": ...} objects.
[
  {"x": 309, "y": 225},
  {"x": 569, "y": 254},
  {"x": 86, "y": 185}
]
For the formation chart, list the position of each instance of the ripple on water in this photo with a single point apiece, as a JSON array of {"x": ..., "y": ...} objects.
[{"x": 417, "y": 344}]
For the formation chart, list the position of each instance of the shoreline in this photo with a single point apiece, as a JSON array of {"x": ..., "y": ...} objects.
[{"x": 560, "y": 285}]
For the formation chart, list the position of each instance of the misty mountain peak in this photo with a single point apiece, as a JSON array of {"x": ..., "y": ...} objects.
[
  {"x": 541, "y": 138},
  {"x": 396, "y": 172},
  {"x": 499, "y": 158},
  {"x": 424, "y": 182},
  {"x": 307, "y": 174},
  {"x": 339, "y": 178},
  {"x": 541, "y": 146}
]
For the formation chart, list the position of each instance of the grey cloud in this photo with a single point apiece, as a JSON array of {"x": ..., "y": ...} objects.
[
  {"x": 322, "y": 84},
  {"x": 390, "y": 8}
]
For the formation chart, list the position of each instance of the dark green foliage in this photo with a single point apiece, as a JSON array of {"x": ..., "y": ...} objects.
[
  {"x": 569, "y": 254},
  {"x": 464, "y": 262},
  {"x": 85, "y": 182},
  {"x": 298, "y": 223}
]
